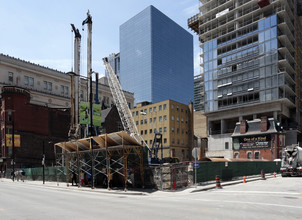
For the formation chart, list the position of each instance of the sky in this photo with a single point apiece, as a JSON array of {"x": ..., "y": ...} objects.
[{"x": 40, "y": 32}]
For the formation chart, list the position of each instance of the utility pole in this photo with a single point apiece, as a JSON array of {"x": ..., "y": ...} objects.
[
  {"x": 13, "y": 153},
  {"x": 43, "y": 162}
]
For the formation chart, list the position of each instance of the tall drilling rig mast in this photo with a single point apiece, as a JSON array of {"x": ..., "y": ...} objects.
[
  {"x": 88, "y": 21},
  {"x": 121, "y": 104},
  {"x": 74, "y": 131}
]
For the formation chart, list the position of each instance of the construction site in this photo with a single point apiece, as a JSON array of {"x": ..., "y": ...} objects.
[{"x": 119, "y": 159}]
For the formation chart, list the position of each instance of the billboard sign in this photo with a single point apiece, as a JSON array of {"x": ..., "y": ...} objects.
[
  {"x": 84, "y": 114},
  {"x": 9, "y": 140},
  {"x": 251, "y": 142}
]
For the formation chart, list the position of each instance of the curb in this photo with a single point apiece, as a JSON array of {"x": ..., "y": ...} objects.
[
  {"x": 96, "y": 190},
  {"x": 231, "y": 183}
]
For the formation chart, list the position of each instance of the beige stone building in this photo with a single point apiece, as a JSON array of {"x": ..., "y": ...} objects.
[
  {"x": 173, "y": 120},
  {"x": 48, "y": 86}
]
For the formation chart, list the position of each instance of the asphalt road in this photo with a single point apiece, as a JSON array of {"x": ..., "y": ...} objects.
[{"x": 275, "y": 198}]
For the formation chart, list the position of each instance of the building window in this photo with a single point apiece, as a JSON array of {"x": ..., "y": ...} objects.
[
  {"x": 236, "y": 155},
  {"x": 66, "y": 90},
  {"x": 142, "y": 132},
  {"x": 160, "y": 118},
  {"x": 26, "y": 81},
  {"x": 150, "y": 120},
  {"x": 133, "y": 114},
  {"x": 136, "y": 112},
  {"x": 154, "y": 109},
  {"x": 257, "y": 155},
  {"x": 160, "y": 108},
  {"x": 165, "y": 106},
  {"x": 182, "y": 131},
  {"x": 150, "y": 110},
  {"x": 177, "y": 108},
  {"x": 165, "y": 129},
  {"x": 154, "y": 120},
  {"x": 150, "y": 131},
  {"x": 160, "y": 130},
  {"x": 146, "y": 131},
  {"x": 165, "y": 117},
  {"x": 165, "y": 140},
  {"x": 31, "y": 81},
  {"x": 226, "y": 145},
  {"x": 172, "y": 107},
  {"x": 182, "y": 120},
  {"x": 172, "y": 118},
  {"x": 150, "y": 142},
  {"x": 173, "y": 141},
  {"x": 249, "y": 155},
  {"x": 177, "y": 130},
  {"x": 9, "y": 116},
  {"x": 182, "y": 110},
  {"x": 136, "y": 122},
  {"x": 177, "y": 141},
  {"x": 172, "y": 129},
  {"x": 155, "y": 130},
  {"x": 173, "y": 152},
  {"x": 45, "y": 85},
  {"x": 62, "y": 89},
  {"x": 142, "y": 122},
  {"x": 177, "y": 119},
  {"x": 49, "y": 86},
  {"x": 10, "y": 77},
  {"x": 145, "y": 121}
]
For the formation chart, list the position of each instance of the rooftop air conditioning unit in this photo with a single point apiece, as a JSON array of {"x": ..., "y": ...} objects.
[{"x": 263, "y": 3}]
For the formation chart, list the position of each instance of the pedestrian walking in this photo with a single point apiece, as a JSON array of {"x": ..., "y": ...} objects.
[
  {"x": 82, "y": 178},
  {"x": 74, "y": 178},
  {"x": 23, "y": 175}
]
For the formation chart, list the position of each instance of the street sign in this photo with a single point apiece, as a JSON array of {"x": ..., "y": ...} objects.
[
  {"x": 195, "y": 152},
  {"x": 196, "y": 165}
]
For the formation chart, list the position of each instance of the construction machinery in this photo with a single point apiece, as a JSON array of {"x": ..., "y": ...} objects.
[
  {"x": 122, "y": 106},
  {"x": 156, "y": 146},
  {"x": 291, "y": 161}
]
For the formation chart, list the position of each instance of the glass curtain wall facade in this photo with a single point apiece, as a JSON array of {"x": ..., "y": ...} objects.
[
  {"x": 199, "y": 93},
  {"x": 244, "y": 69},
  {"x": 156, "y": 58}
]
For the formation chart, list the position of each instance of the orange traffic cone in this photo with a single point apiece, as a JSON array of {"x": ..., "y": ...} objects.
[
  {"x": 244, "y": 180},
  {"x": 274, "y": 174}
]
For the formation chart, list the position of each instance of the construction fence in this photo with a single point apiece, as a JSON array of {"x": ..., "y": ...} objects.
[{"x": 171, "y": 176}]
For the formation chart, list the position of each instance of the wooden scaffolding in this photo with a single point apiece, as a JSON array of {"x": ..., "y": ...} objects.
[{"x": 105, "y": 154}]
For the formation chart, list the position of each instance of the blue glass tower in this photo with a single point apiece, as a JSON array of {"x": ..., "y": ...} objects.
[{"x": 156, "y": 58}]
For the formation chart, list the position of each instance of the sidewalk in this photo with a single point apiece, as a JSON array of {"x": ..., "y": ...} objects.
[{"x": 140, "y": 192}]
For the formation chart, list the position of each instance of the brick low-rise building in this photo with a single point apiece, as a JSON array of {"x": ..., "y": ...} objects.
[
  {"x": 37, "y": 126},
  {"x": 258, "y": 139},
  {"x": 170, "y": 118}
]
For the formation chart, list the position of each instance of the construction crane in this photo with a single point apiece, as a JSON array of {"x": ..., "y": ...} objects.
[{"x": 121, "y": 105}]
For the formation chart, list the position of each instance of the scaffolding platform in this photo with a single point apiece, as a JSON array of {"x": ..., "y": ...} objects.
[{"x": 104, "y": 155}]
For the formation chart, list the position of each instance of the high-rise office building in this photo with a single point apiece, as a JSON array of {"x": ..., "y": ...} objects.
[
  {"x": 156, "y": 58},
  {"x": 251, "y": 65}
]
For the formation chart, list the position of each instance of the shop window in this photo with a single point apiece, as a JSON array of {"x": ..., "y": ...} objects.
[
  {"x": 249, "y": 155},
  {"x": 236, "y": 155}
]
